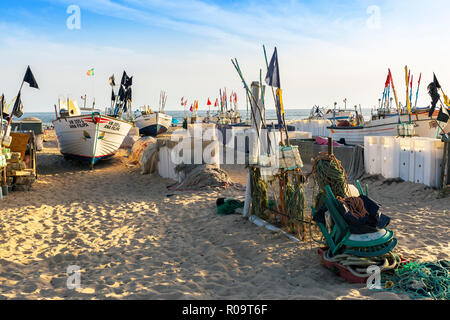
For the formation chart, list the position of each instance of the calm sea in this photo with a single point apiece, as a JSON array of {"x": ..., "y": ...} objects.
[{"x": 291, "y": 114}]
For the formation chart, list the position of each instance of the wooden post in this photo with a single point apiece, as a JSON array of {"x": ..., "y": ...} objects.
[
  {"x": 445, "y": 165},
  {"x": 256, "y": 124},
  {"x": 330, "y": 146}
]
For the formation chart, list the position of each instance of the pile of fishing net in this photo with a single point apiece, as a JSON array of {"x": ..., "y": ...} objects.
[
  {"x": 203, "y": 176},
  {"x": 130, "y": 139},
  {"x": 145, "y": 154},
  {"x": 429, "y": 280},
  {"x": 328, "y": 170}
]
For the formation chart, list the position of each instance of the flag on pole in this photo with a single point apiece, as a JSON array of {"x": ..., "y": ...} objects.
[
  {"x": 209, "y": 102},
  {"x": 407, "y": 77},
  {"x": 434, "y": 94},
  {"x": 443, "y": 115},
  {"x": 112, "y": 81},
  {"x": 216, "y": 104},
  {"x": 273, "y": 71},
  {"x": 280, "y": 108},
  {"x": 191, "y": 109},
  {"x": 90, "y": 72},
  {"x": 29, "y": 78},
  {"x": 18, "y": 107}
]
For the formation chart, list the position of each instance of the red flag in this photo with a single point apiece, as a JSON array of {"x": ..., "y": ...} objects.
[
  {"x": 217, "y": 102},
  {"x": 388, "y": 80},
  {"x": 235, "y": 98},
  {"x": 209, "y": 102},
  {"x": 190, "y": 109}
]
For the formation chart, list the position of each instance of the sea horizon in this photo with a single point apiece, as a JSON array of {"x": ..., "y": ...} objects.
[{"x": 290, "y": 114}]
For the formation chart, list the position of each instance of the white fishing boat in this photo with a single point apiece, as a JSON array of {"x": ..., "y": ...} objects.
[
  {"x": 88, "y": 137},
  {"x": 154, "y": 123},
  {"x": 387, "y": 125},
  {"x": 319, "y": 113}
]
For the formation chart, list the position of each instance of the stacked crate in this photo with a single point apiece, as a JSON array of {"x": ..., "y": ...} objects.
[
  {"x": 415, "y": 159},
  {"x": 17, "y": 174}
]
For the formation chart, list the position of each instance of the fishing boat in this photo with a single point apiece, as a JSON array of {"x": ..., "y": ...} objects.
[
  {"x": 353, "y": 132},
  {"x": 89, "y": 137},
  {"x": 319, "y": 113},
  {"x": 154, "y": 123}
]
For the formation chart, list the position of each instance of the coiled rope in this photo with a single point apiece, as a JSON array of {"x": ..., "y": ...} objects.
[{"x": 358, "y": 265}]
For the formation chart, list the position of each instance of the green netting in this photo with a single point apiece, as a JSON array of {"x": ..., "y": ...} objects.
[
  {"x": 229, "y": 206},
  {"x": 420, "y": 280}
]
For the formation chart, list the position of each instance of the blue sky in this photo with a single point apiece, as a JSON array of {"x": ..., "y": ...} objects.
[{"x": 328, "y": 50}]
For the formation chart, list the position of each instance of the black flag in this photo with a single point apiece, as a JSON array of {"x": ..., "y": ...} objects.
[
  {"x": 128, "y": 96},
  {"x": 124, "y": 78},
  {"x": 434, "y": 94},
  {"x": 273, "y": 72},
  {"x": 113, "y": 96},
  {"x": 443, "y": 115},
  {"x": 18, "y": 107},
  {"x": 122, "y": 94},
  {"x": 436, "y": 82},
  {"x": 29, "y": 78},
  {"x": 129, "y": 82}
]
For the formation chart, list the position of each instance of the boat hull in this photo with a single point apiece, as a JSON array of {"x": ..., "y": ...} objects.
[
  {"x": 424, "y": 126},
  {"x": 78, "y": 137},
  {"x": 153, "y": 124}
]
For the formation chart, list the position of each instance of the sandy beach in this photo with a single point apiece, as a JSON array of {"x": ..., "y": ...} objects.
[{"x": 134, "y": 239}]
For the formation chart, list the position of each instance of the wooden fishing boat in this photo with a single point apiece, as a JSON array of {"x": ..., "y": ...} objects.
[
  {"x": 152, "y": 124},
  {"x": 89, "y": 137}
]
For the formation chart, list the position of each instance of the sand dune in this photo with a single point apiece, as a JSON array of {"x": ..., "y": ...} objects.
[{"x": 134, "y": 239}]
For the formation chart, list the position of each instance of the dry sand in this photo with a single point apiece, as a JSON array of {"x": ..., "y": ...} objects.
[{"x": 134, "y": 239}]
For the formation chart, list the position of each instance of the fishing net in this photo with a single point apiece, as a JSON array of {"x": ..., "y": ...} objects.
[
  {"x": 138, "y": 149},
  {"x": 202, "y": 176},
  {"x": 229, "y": 207},
  {"x": 260, "y": 199},
  {"x": 328, "y": 170},
  {"x": 295, "y": 204},
  {"x": 429, "y": 280}
]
